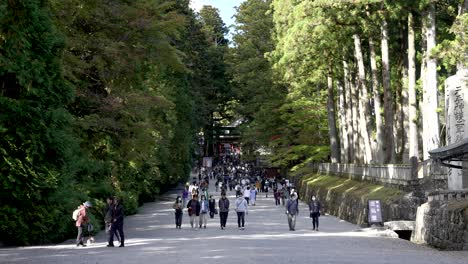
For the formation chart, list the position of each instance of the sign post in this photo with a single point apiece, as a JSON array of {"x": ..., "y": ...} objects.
[{"x": 374, "y": 212}]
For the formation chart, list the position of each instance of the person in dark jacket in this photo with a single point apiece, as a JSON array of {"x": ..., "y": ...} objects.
[
  {"x": 292, "y": 210},
  {"x": 194, "y": 210},
  {"x": 117, "y": 223},
  {"x": 178, "y": 207},
  {"x": 315, "y": 206},
  {"x": 108, "y": 218},
  {"x": 212, "y": 206},
  {"x": 223, "y": 205}
]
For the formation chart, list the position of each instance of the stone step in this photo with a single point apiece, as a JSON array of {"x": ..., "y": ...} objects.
[{"x": 400, "y": 225}]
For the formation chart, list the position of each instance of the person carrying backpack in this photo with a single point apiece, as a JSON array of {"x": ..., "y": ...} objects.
[{"x": 81, "y": 223}]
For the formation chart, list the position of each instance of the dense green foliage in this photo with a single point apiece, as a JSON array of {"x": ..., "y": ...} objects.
[
  {"x": 104, "y": 98},
  {"x": 36, "y": 143},
  {"x": 279, "y": 116},
  {"x": 288, "y": 68},
  {"x": 99, "y": 98}
]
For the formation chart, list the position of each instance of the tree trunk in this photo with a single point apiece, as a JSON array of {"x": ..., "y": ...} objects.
[
  {"x": 462, "y": 9},
  {"x": 355, "y": 110},
  {"x": 421, "y": 104},
  {"x": 388, "y": 96},
  {"x": 412, "y": 112},
  {"x": 344, "y": 142},
  {"x": 364, "y": 112},
  {"x": 422, "y": 79},
  {"x": 332, "y": 131},
  {"x": 430, "y": 102},
  {"x": 402, "y": 156},
  {"x": 380, "y": 140},
  {"x": 349, "y": 112}
]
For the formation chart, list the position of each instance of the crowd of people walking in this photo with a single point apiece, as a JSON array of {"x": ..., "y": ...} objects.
[
  {"x": 231, "y": 175},
  {"x": 246, "y": 182}
]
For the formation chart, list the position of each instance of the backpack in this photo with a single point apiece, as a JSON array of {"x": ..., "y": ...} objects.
[{"x": 75, "y": 214}]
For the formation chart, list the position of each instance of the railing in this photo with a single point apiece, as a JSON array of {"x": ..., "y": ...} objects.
[{"x": 388, "y": 173}]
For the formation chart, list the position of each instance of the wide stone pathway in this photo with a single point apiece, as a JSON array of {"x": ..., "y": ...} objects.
[{"x": 151, "y": 237}]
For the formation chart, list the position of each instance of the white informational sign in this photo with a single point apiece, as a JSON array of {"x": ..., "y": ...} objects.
[{"x": 375, "y": 212}]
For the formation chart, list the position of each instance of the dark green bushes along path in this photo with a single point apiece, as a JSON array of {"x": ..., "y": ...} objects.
[{"x": 97, "y": 99}]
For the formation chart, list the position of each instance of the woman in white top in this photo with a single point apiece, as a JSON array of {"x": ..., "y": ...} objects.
[{"x": 247, "y": 195}]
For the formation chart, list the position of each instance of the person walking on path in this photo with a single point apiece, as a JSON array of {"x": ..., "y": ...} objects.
[
  {"x": 223, "y": 205},
  {"x": 315, "y": 206},
  {"x": 117, "y": 223},
  {"x": 108, "y": 218},
  {"x": 258, "y": 185},
  {"x": 266, "y": 186},
  {"x": 242, "y": 210},
  {"x": 238, "y": 190},
  {"x": 194, "y": 210},
  {"x": 205, "y": 193},
  {"x": 185, "y": 195},
  {"x": 286, "y": 193},
  {"x": 247, "y": 195},
  {"x": 204, "y": 208},
  {"x": 178, "y": 207},
  {"x": 212, "y": 206},
  {"x": 253, "y": 196},
  {"x": 292, "y": 210},
  {"x": 82, "y": 222},
  {"x": 277, "y": 196}
]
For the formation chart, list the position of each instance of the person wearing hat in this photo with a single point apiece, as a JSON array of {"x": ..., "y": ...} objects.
[{"x": 82, "y": 221}]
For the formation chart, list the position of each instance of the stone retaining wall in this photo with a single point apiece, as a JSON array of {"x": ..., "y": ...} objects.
[
  {"x": 351, "y": 207},
  {"x": 442, "y": 222}
]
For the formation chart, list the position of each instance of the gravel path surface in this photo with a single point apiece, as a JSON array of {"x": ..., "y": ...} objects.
[{"x": 151, "y": 237}]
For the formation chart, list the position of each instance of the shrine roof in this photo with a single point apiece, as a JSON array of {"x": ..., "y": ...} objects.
[{"x": 454, "y": 151}]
